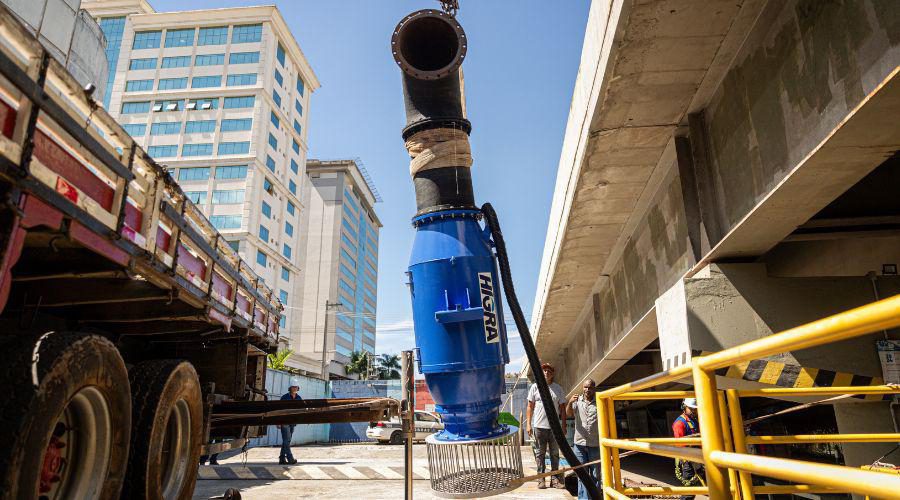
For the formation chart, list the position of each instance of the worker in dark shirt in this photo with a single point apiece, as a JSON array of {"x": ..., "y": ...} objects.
[
  {"x": 689, "y": 473},
  {"x": 287, "y": 431}
]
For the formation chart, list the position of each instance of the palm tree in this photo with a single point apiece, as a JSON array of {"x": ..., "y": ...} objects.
[
  {"x": 277, "y": 361},
  {"x": 389, "y": 366},
  {"x": 359, "y": 364}
]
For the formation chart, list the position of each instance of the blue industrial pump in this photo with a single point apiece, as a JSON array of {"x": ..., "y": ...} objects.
[{"x": 453, "y": 273}]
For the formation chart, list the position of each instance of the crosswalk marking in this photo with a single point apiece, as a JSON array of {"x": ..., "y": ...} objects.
[
  {"x": 315, "y": 472},
  {"x": 307, "y": 472}
]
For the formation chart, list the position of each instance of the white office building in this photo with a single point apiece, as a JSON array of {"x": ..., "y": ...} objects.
[
  {"x": 220, "y": 97},
  {"x": 340, "y": 285}
]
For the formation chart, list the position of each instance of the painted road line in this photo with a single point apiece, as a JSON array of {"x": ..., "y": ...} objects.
[
  {"x": 350, "y": 471},
  {"x": 387, "y": 473},
  {"x": 315, "y": 472}
]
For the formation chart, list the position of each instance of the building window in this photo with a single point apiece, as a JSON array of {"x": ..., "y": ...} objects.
[
  {"x": 241, "y": 79},
  {"x": 349, "y": 228},
  {"x": 270, "y": 163},
  {"x": 261, "y": 258},
  {"x": 263, "y": 233},
  {"x": 347, "y": 272},
  {"x": 279, "y": 54},
  {"x": 286, "y": 251},
  {"x": 213, "y": 36},
  {"x": 274, "y": 119},
  {"x": 273, "y": 141},
  {"x": 193, "y": 174},
  {"x": 232, "y": 172},
  {"x": 226, "y": 221},
  {"x": 276, "y": 97},
  {"x": 298, "y": 107},
  {"x": 292, "y": 187},
  {"x": 243, "y": 58},
  {"x": 204, "y": 149},
  {"x": 135, "y": 129},
  {"x": 237, "y": 124},
  {"x": 288, "y": 229},
  {"x": 297, "y": 128},
  {"x": 198, "y": 197},
  {"x": 267, "y": 185},
  {"x": 229, "y": 197},
  {"x": 204, "y": 82},
  {"x": 285, "y": 274},
  {"x": 176, "y": 62},
  {"x": 346, "y": 287},
  {"x": 146, "y": 40},
  {"x": 348, "y": 258},
  {"x": 172, "y": 83},
  {"x": 162, "y": 151},
  {"x": 266, "y": 210},
  {"x": 148, "y": 63},
  {"x": 247, "y": 33},
  {"x": 234, "y": 148},
  {"x": 165, "y": 128},
  {"x": 239, "y": 102},
  {"x": 342, "y": 350},
  {"x": 351, "y": 202},
  {"x": 283, "y": 296},
  {"x": 168, "y": 105},
  {"x": 209, "y": 60},
  {"x": 180, "y": 38},
  {"x": 300, "y": 86},
  {"x": 199, "y": 126},
  {"x": 295, "y": 146},
  {"x": 294, "y": 167},
  {"x": 290, "y": 208},
  {"x": 347, "y": 241},
  {"x": 282, "y": 322},
  {"x": 235, "y": 245},
  {"x": 279, "y": 78},
  {"x": 138, "y": 85},
  {"x": 203, "y": 104},
  {"x": 135, "y": 107}
]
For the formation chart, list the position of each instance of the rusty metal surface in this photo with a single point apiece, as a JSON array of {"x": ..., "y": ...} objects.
[{"x": 307, "y": 411}]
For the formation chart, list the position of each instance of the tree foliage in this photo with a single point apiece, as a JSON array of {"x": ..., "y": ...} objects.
[
  {"x": 277, "y": 361},
  {"x": 388, "y": 366}
]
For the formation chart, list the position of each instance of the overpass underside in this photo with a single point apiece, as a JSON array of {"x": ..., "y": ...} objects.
[{"x": 729, "y": 170}]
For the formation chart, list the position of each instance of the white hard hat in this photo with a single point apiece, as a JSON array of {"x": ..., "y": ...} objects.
[
  {"x": 295, "y": 382},
  {"x": 690, "y": 402}
]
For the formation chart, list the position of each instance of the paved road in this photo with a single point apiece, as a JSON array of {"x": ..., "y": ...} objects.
[{"x": 348, "y": 471}]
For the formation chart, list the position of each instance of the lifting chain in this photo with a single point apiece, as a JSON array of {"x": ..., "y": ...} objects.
[{"x": 450, "y": 7}]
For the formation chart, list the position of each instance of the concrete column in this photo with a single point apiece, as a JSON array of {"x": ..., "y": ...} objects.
[{"x": 865, "y": 418}]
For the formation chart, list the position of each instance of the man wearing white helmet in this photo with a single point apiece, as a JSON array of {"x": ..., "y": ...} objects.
[{"x": 689, "y": 473}]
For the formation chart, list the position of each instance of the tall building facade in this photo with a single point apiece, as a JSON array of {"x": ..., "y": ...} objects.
[
  {"x": 220, "y": 97},
  {"x": 340, "y": 285}
]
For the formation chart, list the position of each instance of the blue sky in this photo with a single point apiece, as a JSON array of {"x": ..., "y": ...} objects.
[{"x": 520, "y": 71}]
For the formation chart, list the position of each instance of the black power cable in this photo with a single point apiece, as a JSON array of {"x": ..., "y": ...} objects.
[{"x": 490, "y": 218}]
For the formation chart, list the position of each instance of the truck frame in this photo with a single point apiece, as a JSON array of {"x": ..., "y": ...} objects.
[{"x": 125, "y": 315}]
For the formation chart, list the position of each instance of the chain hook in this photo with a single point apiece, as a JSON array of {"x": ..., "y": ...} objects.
[{"x": 450, "y": 7}]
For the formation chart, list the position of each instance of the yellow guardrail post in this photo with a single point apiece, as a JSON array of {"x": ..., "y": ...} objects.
[
  {"x": 729, "y": 444},
  {"x": 603, "y": 426},
  {"x": 614, "y": 434},
  {"x": 710, "y": 431},
  {"x": 745, "y": 480}
]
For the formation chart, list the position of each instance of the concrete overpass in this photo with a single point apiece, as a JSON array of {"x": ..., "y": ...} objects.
[{"x": 729, "y": 170}]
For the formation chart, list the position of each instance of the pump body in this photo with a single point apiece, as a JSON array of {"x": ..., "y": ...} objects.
[{"x": 458, "y": 317}]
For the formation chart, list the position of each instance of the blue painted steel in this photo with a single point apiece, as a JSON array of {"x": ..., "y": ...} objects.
[{"x": 453, "y": 279}]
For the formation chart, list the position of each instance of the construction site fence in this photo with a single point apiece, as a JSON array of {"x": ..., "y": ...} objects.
[{"x": 722, "y": 447}]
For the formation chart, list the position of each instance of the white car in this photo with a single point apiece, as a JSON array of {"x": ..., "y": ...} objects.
[{"x": 389, "y": 431}]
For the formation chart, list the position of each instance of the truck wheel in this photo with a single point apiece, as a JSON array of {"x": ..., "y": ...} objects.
[
  {"x": 64, "y": 418},
  {"x": 166, "y": 427}
]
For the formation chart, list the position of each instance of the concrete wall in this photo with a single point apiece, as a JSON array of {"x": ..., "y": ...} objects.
[
  {"x": 70, "y": 35},
  {"x": 805, "y": 65},
  {"x": 654, "y": 257}
]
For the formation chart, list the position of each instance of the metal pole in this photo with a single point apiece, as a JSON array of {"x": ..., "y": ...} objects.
[
  {"x": 745, "y": 482},
  {"x": 606, "y": 472},
  {"x": 407, "y": 413},
  {"x": 710, "y": 431}
]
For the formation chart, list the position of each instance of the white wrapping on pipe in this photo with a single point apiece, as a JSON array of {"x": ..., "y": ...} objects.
[{"x": 438, "y": 148}]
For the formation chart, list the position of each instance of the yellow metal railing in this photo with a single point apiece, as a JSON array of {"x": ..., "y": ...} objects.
[{"x": 722, "y": 442}]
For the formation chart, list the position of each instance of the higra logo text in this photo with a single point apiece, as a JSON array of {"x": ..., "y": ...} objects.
[{"x": 486, "y": 282}]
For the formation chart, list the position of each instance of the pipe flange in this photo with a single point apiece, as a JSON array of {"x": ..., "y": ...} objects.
[
  {"x": 446, "y": 215},
  {"x": 403, "y": 41}
]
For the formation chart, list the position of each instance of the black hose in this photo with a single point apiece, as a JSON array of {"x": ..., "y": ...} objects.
[{"x": 490, "y": 218}]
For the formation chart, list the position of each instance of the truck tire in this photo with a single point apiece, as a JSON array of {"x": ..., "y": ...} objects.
[
  {"x": 64, "y": 417},
  {"x": 166, "y": 428}
]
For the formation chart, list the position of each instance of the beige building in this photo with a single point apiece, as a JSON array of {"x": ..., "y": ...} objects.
[
  {"x": 729, "y": 170},
  {"x": 221, "y": 97},
  {"x": 340, "y": 287}
]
